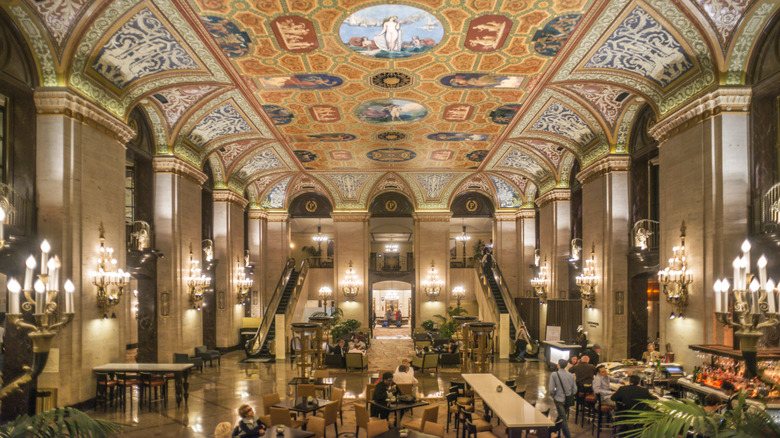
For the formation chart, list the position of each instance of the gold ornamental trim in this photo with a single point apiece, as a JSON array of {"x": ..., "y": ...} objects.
[
  {"x": 553, "y": 195},
  {"x": 432, "y": 216},
  {"x": 350, "y": 216},
  {"x": 724, "y": 99},
  {"x": 277, "y": 216},
  {"x": 526, "y": 213},
  {"x": 608, "y": 164},
  {"x": 505, "y": 217},
  {"x": 230, "y": 196},
  {"x": 257, "y": 214},
  {"x": 64, "y": 102},
  {"x": 177, "y": 166}
]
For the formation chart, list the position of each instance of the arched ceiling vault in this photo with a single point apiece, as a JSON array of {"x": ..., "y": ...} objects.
[{"x": 499, "y": 97}]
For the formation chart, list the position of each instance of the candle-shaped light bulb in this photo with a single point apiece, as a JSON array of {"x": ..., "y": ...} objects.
[
  {"x": 745, "y": 246},
  {"x": 28, "y": 274},
  {"x": 45, "y": 248},
  {"x": 69, "y": 289},
  {"x": 754, "y": 296},
  {"x": 754, "y": 286},
  {"x": 13, "y": 299},
  {"x": 40, "y": 297},
  {"x": 718, "y": 304},
  {"x": 770, "y": 295},
  {"x": 761, "y": 270},
  {"x": 2, "y": 223},
  {"x": 51, "y": 284}
]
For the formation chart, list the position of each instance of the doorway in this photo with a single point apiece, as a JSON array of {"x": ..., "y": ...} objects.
[{"x": 392, "y": 304}]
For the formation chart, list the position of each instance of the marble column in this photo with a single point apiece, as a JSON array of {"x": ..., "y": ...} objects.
[
  {"x": 80, "y": 168},
  {"x": 229, "y": 250},
  {"x": 506, "y": 250},
  {"x": 605, "y": 224},
  {"x": 351, "y": 245},
  {"x": 555, "y": 238},
  {"x": 177, "y": 223},
  {"x": 526, "y": 245},
  {"x": 431, "y": 244},
  {"x": 258, "y": 230},
  {"x": 277, "y": 250},
  {"x": 705, "y": 150}
]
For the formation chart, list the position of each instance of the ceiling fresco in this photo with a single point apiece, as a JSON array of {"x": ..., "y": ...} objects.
[{"x": 352, "y": 98}]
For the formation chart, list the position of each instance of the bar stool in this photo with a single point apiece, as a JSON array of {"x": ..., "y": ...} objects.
[
  {"x": 104, "y": 393},
  {"x": 603, "y": 411},
  {"x": 125, "y": 381},
  {"x": 150, "y": 382}
]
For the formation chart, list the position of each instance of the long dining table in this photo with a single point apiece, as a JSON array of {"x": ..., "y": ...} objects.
[
  {"x": 516, "y": 413},
  {"x": 180, "y": 371}
]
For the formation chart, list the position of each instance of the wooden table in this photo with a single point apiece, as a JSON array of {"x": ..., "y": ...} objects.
[
  {"x": 395, "y": 433},
  {"x": 327, "y": 382},
  {"x": 300, "y": 405},
  {"x": 181, "y": 373},
  {"x": 516, "y": 413},
  {"x": 289, "y": 432},
  {"x": 399, "y": 407}
]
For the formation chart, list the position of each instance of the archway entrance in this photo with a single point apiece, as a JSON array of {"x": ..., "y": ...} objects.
[{"x": 393, "y": 307}]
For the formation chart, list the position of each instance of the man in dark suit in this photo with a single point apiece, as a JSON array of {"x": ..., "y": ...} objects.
[
  {"x": 341, "y": 350},
  {"x": 594, "y": 354},
  {"x": 382, "y": 393},
  {"x": 630, "y": 396}
]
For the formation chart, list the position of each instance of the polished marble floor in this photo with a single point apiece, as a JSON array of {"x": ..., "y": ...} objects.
[{"x": 215, "y": 394}]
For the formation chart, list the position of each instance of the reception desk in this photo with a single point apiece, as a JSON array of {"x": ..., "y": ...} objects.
[{"x": 555, "y": 350}]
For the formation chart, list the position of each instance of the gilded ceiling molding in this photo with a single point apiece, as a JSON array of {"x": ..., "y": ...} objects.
[
  {"x": 67, "y": 103},
  {"x": 724, "y": 99},
  {"x": 740, "y": 52},
  {"x": 277, "y": 216},
  {"x": 432, "y": 216},
  {"x": 505, "y": 217},
  {"x": 608, "y": 164},
  {"x": 526, "y": 213},
  {"x": 553, "y": 195},
  {"x": 158, "y": 126},
  {"x": 257, "y": 214},
  {"x": 44, "y": 57},
  {"x": 179, "y": 167},
  {"x": 230, "y": 196},
  {"x": 350, "y": 216}
]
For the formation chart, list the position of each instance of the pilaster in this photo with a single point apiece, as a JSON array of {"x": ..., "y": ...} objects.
[
  {"x": 277, "y": 247},
  {"x": 351, "y": 245},
  {"x": 506, "y": 250},
  {"x": 431, "y": 244},
  {"x": 555, "y": 238},
  {"x": 229, "y": 249},
  {"x": 526, "y": 245},
  {"x": 257, "y": 232}
]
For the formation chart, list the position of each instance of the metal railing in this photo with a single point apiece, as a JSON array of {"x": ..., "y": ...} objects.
[
  {"x": 254, "y": 345},
  {"x": 139, "y": 235},
  {"x": 645, "y": 234},
  {"x": 770, "y": 209},
  {"x": 392, "y": 264},
  {"x": 291, "y": 305},
  {"x": 18, "y": 210},
  {"x": 514, "y": 314}
]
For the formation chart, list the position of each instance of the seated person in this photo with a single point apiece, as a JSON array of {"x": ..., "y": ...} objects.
[
  {"x": 247, "y": 426},
  {"x": 630, "y": 396},
  {"x": 651, "y": 356},
  {"x": 341, "y": 350},
  {"x": 712, "y": 403},
  {"x": 382, "y": 393},
  {"x": 584, "y": 372},
  {"x": 357, "y": 343},
  {"x": 572, "y": 362},
  {"x": 521, "y": 343},
  {"x": 601, "y": 385},
  {"x": 409, "y": 369},
  {"x": 401, "y": 376}
]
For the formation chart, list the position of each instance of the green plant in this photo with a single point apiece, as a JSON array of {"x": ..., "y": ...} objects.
[
  {"x": 311, "y": 251},
  {"x": 477, "y": 248},
  {"x": 345, "y": 327},
  {"x": 676, "y": 417},
  {"x": 448, "y": 325},
  {"x": 428, "y": 325},
  {"x": 58, "y": 423}
]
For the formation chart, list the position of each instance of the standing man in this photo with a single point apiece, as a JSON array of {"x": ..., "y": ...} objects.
[{"x": 562, "y": 384}]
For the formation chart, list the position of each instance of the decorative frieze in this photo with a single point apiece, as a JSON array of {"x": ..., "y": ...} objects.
[
  {"x": 553, "y": 195},
  {"x": 526, "y": 213},
  {"x": 177, "y": 166},
  {"x": 65, "y": 102},
  {"x": 724, "y": 99},
  {"x": 350, "y": 216},
  {"x": 505, "y": 217},
  {"x": 231, "y": 197},
  {"x": 257, "y": 214},
  {"x": 610, "y": 163},
  {"x": 432, "y": 216},
  {"x": 277, "y": 216}
]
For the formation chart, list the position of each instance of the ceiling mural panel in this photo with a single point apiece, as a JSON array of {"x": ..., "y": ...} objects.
[
  {"x": 276, "y": 197},
  {"x": 59, "y": 16},
  {"x": 175, "y": 101},
  {"x": 553, "y": 152},
  {"x": 391, "y": 31},
  {"x": 561, "y": 120},
  {"x": 549, "y": 40},
  {"x": 608, "y": 100},
  {"x": 259, "y": 162},
  {"x": 508, "y": 196},
  {"x": 724, "y": 16},
  {"x": 230, "y": 152},
  {"x": 222, "y": 121},
  {"x": 432, "y": 184},
  {"x": 515, "y": 159}
]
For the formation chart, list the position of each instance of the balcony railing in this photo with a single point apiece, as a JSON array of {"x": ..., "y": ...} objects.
[
  {"x": 391, "y": 262},
  {"x": 770, "y": 210},
  {"x": 645, "y": 235},
  {"x": 139, "y": 236}
]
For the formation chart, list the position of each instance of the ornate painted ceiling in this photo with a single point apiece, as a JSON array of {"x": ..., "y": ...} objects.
[{"x": 430, "y": 98}]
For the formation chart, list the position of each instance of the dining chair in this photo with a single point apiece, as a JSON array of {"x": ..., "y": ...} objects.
[
  {"x": 369, "y": 393},
  {"x": 316, "y": 425},
  {"x": 375, "y": 427},
  {"x": 472, "y": 431},
  {"x": 430, "y": 413},
  {"x": 405, "y": 388},
  {"x": 479, "y": 424},
  {"x": 282, "y": 416},
  {"x": 151, "y": 383},
  {"x": 268, "y": 401},
  {"x": 125, "y": 381},
  {"x": 306, "y": 390},
  {"x": 361, "y": 418},
  {"x": 337, "y": 395},
  {"x": 435, "y": 429},
  {"x": 105, "y": 390},
  {"x": 325, "y": 389},
  {"x": 452, "y": 410},
  {"x": 330, "y": 414}
]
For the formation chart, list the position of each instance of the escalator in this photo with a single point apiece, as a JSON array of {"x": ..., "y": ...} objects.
[{"x": 282, "y": 302}]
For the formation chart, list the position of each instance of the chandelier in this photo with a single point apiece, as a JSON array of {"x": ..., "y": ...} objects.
[
  {"x": 540, "y": 282},
  {"x": 676, "y": 277},
  {"x": 108, "y": 276},
  {"x": 589, "y": 280},
  {"x": 319, "y": 238},
  {"x": 432, "y": 285},
  {"x": 243, "y": 283},
  {"x": 40, "y": 296},
  {"x": 350, "y": 285},
  {"x": 325, "y": 293},
  {"x": 463, "y": 237},
  {"x": 391, "y": 247},
  {"x": 755, "y": 308},
  {"x": 197, "y": 282},
  {"x": 459, "y": 292}
]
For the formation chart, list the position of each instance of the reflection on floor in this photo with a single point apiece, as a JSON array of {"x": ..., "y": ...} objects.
[{"x": 215, "y": 394}]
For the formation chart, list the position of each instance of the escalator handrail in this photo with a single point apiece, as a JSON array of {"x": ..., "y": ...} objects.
[
  {"x": 254, "y": 345},
  {"x": 302, "y": 271},
  {"x": 514, "y": 314},
  {"x": 494, "y": 310}
]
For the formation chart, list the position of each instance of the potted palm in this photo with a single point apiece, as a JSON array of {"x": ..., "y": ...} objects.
[{"x": 58, "y": 423}]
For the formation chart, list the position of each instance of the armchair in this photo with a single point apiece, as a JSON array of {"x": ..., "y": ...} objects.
[
  {"x": 357, "y": 360},
  {"x": 183, "y": 358},
  {"x": 208, "y": 355}
]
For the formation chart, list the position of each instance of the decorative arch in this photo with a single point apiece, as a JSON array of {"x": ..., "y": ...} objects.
[
  {"x": 391, "y": 204},
  {"x": 472, "y": 204},
  {"x": 312, "y": 205}
]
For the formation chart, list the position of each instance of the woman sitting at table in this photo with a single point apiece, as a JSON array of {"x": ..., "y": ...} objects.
[{"x": 247, "y": 426}]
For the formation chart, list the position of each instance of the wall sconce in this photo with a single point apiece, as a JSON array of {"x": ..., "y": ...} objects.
[
  {"x": 243, "y": 283},
  {"x": 197, "y": 282},
  {"x": 676, "y": 277},
  {"x": 620, "y": 302},
  {"x": 42, "y": 297},
  {"x": 432, "y": 285},
  {"x": 165, "y": 304},
  {"x": 458, "y": 292},
  {"x": 108, "y": 275},
  {"x": 589, "y": 280},
  {"x": 325, "y": 293},
  {"x": 350, "y": 285},
  {"x": 540, "y": 282}
]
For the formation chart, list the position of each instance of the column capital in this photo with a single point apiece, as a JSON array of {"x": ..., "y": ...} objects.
[
  {"x": 553, "y": 195},
  {"x": 350, "y": 216},
  {"x": 277, "y": 216},
  {"x": 608, "y": 164},
  {"x": 257, "y": 214},
  {"x": 505, "y": 217},
  {"x": 432, "y": 216},
  {"x": 526, "y": 213},
  {"x": 229, "y": 196},
  {"x": 177, "y": 166},
  {"x": 64, "y": 102},
  {"x": 724, "y": 99}
]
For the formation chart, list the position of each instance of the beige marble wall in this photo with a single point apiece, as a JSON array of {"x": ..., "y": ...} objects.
[
  {"x": 526, "y": 244},
  {"x": 555, "y": 238},
  {"x": 431, "y": 244},
  {"x": 605, "y": 224},
  {"x": 506, "y": 250},
  {"x": 80, "y": 183},
  {"x": 277, "y": 249},
  {"x": 351, "y": 245},
  {"x": 229, "y": 250},
  {"x": 257, "y": 242}
]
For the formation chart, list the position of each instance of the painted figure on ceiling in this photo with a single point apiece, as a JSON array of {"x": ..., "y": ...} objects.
[{"x": 390, "y": 37}]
